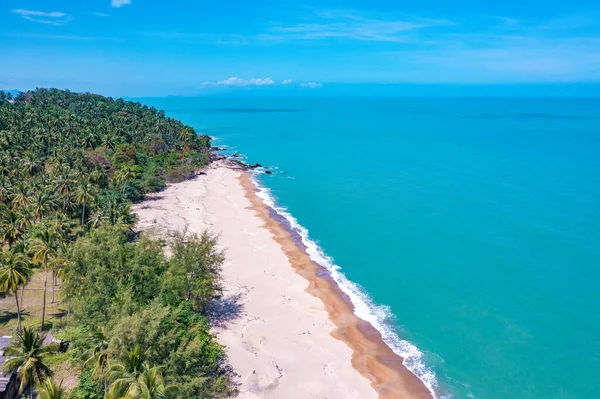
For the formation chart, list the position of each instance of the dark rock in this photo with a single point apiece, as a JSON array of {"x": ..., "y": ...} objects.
[{"x": 216, "y": 157}]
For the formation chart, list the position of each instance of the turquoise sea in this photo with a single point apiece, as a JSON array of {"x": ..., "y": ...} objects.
[{"x": 466, "y": 229}]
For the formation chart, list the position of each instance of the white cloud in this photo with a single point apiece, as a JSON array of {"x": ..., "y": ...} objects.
[
  {"x": 311, "y": 85},
  {"x": 100, "y": 14},
  {"x": 119, "y": 3},
  {"x": 235, "y": 81},
  {"x": 49, "y": 18},
  {"x": 46, "y": 36},
  {"x": 54, "y": 14},
  {"x": 351, "y": 25},
  {"x": 286, "y": 82}
]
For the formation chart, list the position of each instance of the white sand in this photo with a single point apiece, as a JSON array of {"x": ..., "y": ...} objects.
[{"x": 280, "y": 342}]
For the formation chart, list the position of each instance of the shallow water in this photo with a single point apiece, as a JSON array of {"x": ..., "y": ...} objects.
[{"x": 472, "y": 225}]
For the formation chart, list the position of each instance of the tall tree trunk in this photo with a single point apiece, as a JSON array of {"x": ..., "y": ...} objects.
[
  {"x": 83, "y": 215},
  {"x": 64, "y": 204},
  {"x": 22, "y": 293},
  {"x": 44, "y": 301},
  {"x": 53, "y": 285},
  {"x": 18, "y": 311},
  {"x": 30, "y": 387}
]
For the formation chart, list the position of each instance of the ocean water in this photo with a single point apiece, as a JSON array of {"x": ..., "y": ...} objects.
[{"x": 466, "y": 230}]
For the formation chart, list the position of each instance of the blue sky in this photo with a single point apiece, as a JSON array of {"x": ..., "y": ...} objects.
[{"x": 151, "y": 47}]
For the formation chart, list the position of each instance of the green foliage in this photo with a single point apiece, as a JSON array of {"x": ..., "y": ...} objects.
[
  {"x": 28, "y": 358},
  {"x": 88, "y": 387},
  {"x": 194, "y": 270},
  {"x": 148, "y": 301},
  {"x": 180, "y": 340},
  {"x": 59, "y": 149},
  {"x": 110, "y": 276},
  {"x": 180, "y": 173},
  {"x": 77, "y": 338},
  {"x": 50, "y": 390},
  {"x": 70, "y": 166}
]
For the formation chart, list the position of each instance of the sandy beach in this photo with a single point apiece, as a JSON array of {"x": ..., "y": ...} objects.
[{"x": 288, "y": 330}]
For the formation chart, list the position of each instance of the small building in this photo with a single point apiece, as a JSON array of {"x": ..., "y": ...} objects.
[{"x": 8, "y": 385}]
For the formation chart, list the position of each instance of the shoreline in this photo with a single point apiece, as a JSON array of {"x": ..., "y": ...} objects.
[
  {"x": 286, "y": 325},
  {"x": 371, "y": 356}
]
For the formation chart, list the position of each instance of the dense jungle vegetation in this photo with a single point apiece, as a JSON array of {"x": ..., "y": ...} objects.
[{"x": 134, "y": 323}]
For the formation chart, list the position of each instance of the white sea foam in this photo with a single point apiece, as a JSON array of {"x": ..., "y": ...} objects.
[{"x": 378, "y": 315}]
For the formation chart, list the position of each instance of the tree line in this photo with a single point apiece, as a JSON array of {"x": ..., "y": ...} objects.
[{"x": 70, "y": 166}]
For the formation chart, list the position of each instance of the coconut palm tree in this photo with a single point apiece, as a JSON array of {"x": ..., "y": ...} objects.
[
  {"x": 30, "y": 163},
  {"x": 10, "y": 230},
  {"x": 25, "y": 219},
  {"x": 4, "y": 186},
  {"x": 151, "y": 384},
  {"x": 60, "y": 263},
  {"x": 44, "y": 249},
  {"x": 125, "y": 373},
  {"x": 97, "y": 357},
  {"x": 27, "y": 357},
  {"x": 20, "y": 195},
  {"x": 97, "y": 218},
  {"x": 49, "y": 390},
  {"x": 42, "y": 203},
  {"x": 14, "y": 273},
  {"x": 64, "y": 186},
  {"x": 84, "y": 195},
  {"x": 125, "y": 174}
]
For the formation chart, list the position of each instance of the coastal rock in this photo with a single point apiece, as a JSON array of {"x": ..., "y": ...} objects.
[
  {"x": 235, "y": 164},
  {"x": 216, "y": 157}
]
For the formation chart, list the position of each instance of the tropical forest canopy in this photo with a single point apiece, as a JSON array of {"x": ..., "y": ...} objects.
[{"x": 137, "y": 327}]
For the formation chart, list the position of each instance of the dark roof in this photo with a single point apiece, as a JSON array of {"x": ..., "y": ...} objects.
[{"x": 4, "y": 378}]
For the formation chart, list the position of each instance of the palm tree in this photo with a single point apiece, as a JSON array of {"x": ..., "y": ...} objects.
[
  {"x": 25, "y": 220},
  {"x": 151, "y": 384},
  {"x": 27, "y": 356},
  {"x": 30, "y": 163},
  {"x": 60, "y": 263},
  {"x": 125, "y": 174},
  {"x": 10, "y": 230},
  {"x": 49, "y": 390},
  {"x": 83, "y": 195},
  {"x": 97, "y": 357},
  {"x": 20, "y": 195},
  {"x": 98, "y": 176},
  {"x": 64, "y": 186},
  {"x": 42, "y": 203},
  {"x": 97, "y": 218},
  {"x": 44, "y": 249},
  {"x": 14, "y": 273},
  {"x": 4, "y": 184},
  {"x": 125, "y": 373}
]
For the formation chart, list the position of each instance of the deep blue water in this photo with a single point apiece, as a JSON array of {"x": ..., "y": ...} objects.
[{"x": 472, "y": 223}]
